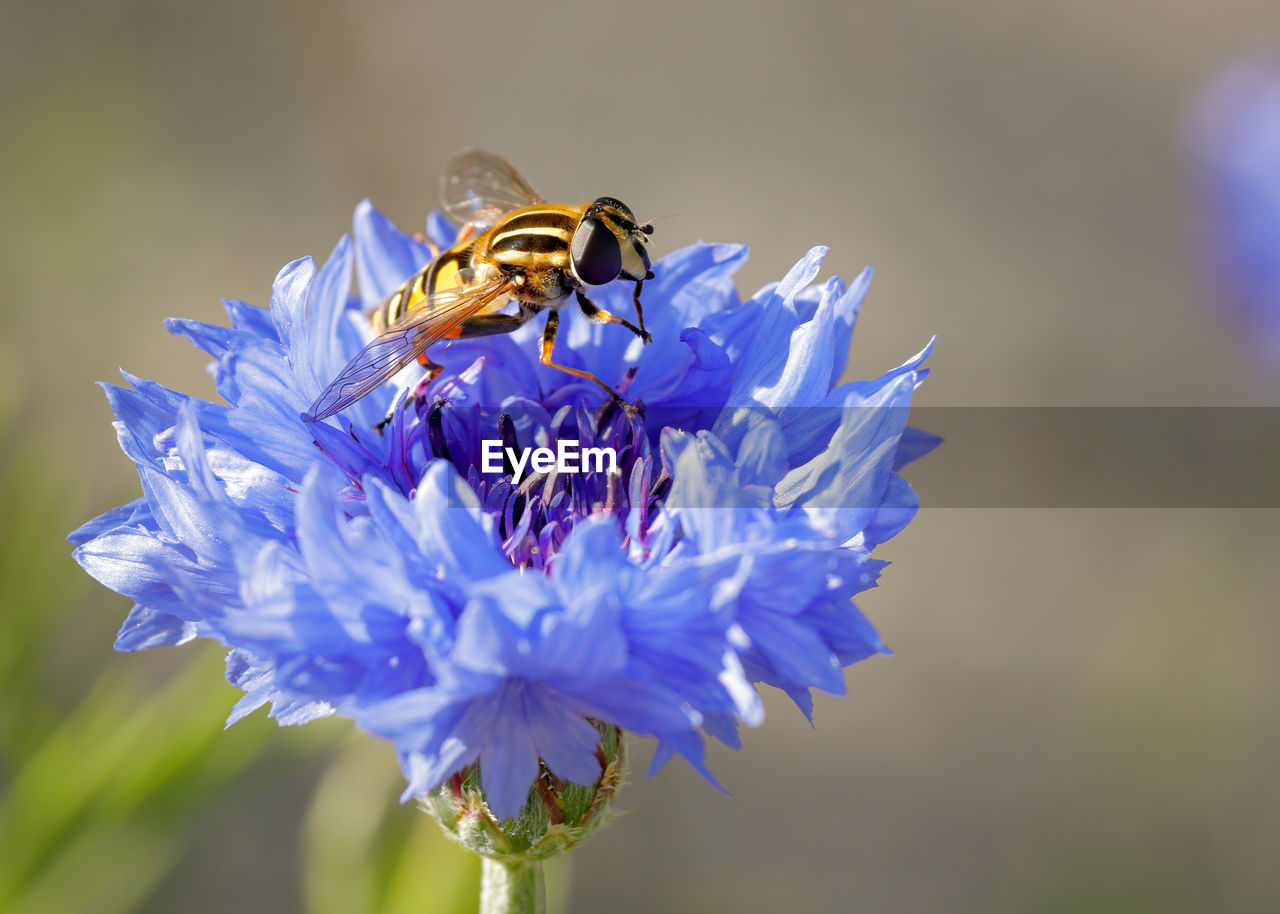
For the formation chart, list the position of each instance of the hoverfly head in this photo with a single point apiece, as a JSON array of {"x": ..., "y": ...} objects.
[{"x": 608, "y": 243}]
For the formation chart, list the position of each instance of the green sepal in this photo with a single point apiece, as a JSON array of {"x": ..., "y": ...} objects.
[{"x": 557, "y": 816}]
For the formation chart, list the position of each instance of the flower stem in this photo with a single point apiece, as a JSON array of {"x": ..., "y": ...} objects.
[{"x": 511, "y": 887}]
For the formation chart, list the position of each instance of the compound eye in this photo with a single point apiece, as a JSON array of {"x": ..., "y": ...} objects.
[{"x": 597, "y": 258}]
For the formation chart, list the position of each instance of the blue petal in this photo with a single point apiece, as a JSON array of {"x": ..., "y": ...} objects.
[
  {"x": 146, "y": 628},
  {"x": 509, "y": 761},
  {"x": 842, "y": 488},
  {"x": 131, "y": 514},
  {"x": 694, "y": 282},
  {"x": 847, "y": 632},
  {"x": 788, "y": 652},
  {"x": 289, "y": 305},
  {"x": 440, "y": 230},
  {"x": 899, "y": 506},
  {"x": 766, "y": 357},
  {"x": 805, "y": 377},
  {"x": 327, "y": 311},
  {"x": 913, "y": 445},
  {"x": 385, "y": 256},
  {"x": 181, "y": 514},
  {"x": 136, "y": 564},
  {"x": 564, "y": 739},
  {"x": 319, "y": 676},
  {"x": 139, "y": 424},
  {"x": 443, "y": 521},
  {"x": 585, "y": 644},
  {"x": 846, "y": 315},
  {"x": 257, "y": 678},
  {"x": 421, "y": 720},
  {"x": 690, "y": 746},
  {"x": 809, "y": 430},
  {"x": 589, "y": 565},
  {"x": 215, "y": 340},
  {"x": 251, "y": 319},
  {"x": 762, "y": 456},
  {"x": 714, "y": 507}
]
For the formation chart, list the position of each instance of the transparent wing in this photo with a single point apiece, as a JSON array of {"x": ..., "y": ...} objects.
[
  {"x": 400, "y": 344},
  {"x": 477, "y": 187}
]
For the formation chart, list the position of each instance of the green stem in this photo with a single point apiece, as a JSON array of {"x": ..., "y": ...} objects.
[{"x": 511, "y": 887}]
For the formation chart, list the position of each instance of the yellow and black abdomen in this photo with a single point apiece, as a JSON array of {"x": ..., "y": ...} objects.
[
  {"x": 441, "y": 273},
  {"x": 532, "y": 243}
]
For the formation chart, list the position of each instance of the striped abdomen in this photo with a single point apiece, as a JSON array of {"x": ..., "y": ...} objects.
[
  {"x": 441, "y": 273},
  {"x": 532, "y": 242}
]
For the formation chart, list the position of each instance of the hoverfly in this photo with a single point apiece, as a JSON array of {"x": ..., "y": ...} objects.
[{"x": 513, "y": 246}]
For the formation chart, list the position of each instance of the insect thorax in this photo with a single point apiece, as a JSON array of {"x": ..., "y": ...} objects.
[{"x": 532, "y": 239}]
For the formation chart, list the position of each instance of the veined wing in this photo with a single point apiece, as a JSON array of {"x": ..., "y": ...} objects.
[
  {"x": 408, "y": 338},
  {"x": 477, "y": 187}
]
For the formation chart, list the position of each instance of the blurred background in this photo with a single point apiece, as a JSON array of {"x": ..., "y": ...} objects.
[{"x": 1081, "y": 714}]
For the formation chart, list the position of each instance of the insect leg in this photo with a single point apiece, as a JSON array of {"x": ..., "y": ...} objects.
[
  {"x": 548, "y": 344},
  {"x": 413, "y": 393},
  {"x": 482, "y": 325},
  {"x": 599, "y": 315},
  {"x": 635, "y": 300},
  {"x": 491, "y": 324}
]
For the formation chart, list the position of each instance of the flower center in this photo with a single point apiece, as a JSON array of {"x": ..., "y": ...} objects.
[{"x": 602, "y": 465}]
